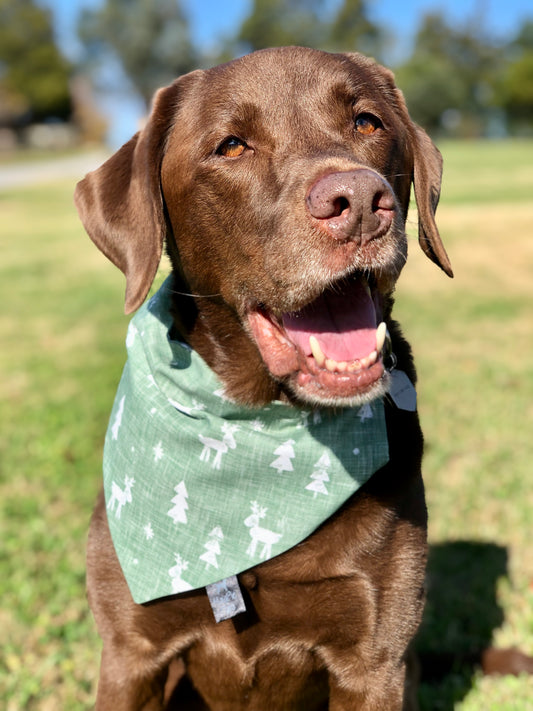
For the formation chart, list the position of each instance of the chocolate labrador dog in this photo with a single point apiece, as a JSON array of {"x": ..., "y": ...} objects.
[{"x": 279, "y": 184}]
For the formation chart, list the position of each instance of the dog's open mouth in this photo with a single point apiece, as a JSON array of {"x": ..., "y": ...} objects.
[{"x": 332, "y": 349}]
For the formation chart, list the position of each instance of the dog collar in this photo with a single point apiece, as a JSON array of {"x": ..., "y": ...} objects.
[{"x": 199, "y": 488}]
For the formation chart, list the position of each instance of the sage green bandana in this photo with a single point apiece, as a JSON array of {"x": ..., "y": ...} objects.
[{"x": 199, "y": 488}]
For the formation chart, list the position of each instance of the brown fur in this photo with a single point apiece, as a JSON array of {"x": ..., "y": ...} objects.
[{"x": 328, "y": 622}]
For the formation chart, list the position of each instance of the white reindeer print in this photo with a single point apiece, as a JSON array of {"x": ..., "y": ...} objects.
[
  {"x": 217, "y": 445},
  {"x": 120, "y": 497},
  {"x": 259, "y": 534},
  {"x": 178, "y": 584}
]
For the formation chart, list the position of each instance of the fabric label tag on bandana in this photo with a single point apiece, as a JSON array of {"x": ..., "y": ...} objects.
[
  {"x": 402, "y": 391},
  {"x": 198, "y": 488},
  {"x": 226, "y": 598}
]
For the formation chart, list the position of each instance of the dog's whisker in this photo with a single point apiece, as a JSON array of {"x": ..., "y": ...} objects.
[
  {"x": 194, "y": 296},
  {"x": 397, "y": 175}
]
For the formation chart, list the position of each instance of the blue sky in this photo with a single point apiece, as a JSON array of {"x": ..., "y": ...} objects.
[{"x": 211, "y": 19}]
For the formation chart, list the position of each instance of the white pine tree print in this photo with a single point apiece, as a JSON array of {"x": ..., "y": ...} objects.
[
  {"x": 148, "y": 531},
  {"x": 177, "y": 512},
  {"x": 324, "y": 462},
  {"x": 285, "y": 452},
  {"x": 365, "y": 413},
  {"x": 212, "y": 547},
  {"x": 319, "y": 476}
]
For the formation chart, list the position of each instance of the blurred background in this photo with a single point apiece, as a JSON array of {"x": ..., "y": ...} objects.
[
  {"x": 73, "y": 71},
  {"x": 76, "y": 80}
]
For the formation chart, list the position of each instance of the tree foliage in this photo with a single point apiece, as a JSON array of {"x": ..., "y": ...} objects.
[
  {"x": 150, "y": 39},
  {"x": 34, "y": 76},
  {"x": 515, "y": 88},
  {"x": 274, "y": 23},
  {"x": 352, "y": 30},
  {"x": 457, "y": 79},
  {"x": 449, "y": 78}
]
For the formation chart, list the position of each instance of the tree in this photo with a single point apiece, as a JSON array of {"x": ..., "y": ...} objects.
[
  {"x": 274, "y": 23},
  {"x": 285, "y": 452},
  {"x": 352, "y": 30},
  {"x": 449, "y": 75},
  {"x": 212, "y": 547},
  {"x": 150, "y": 39},
  {"x": 431, "y": 88},
  {"x": 34, "y": 76},
  {"x": 320, "y": 476},
  {"x": 178, "y": 511},
  {"x": 524, "y": 38},
  {"x": 515, "y": 87}
]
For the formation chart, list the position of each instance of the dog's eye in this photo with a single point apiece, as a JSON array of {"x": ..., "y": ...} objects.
[
  {"x": 367, "y": 124},
  {"x": 231, "y": 148}
]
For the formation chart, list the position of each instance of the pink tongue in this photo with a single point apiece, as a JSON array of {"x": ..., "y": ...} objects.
[{"x": 343, "y": 323}]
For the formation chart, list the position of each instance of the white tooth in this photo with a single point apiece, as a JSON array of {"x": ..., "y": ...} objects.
[
  {"x": 354, "y": 365},
  {"x": 331, "y": 365},
  {"x": 381, "y": 333},
  {"x": 372, "y": 358},
  {"x": 317, "y": 351},
  {"x": 369, "y": 360},
  {"x": 342, "y": 366}
]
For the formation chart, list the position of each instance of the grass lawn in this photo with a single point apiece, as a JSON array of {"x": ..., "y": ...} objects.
[{"x": 62, "y": 332}]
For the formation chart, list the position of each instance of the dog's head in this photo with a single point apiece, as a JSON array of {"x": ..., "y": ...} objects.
[{"x": 280, "y": 182}]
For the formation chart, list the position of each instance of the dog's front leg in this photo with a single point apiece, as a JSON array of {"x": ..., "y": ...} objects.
[
  {"x": 132, "y": 675},
  {"x": 381, "y": 690},
  {"x": 121, "y": 689}
]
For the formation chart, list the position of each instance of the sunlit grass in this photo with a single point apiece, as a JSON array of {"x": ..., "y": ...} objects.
[{"x": 472, "y": 337}]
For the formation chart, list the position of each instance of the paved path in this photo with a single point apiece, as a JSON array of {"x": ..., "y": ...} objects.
[{"x": 19, "y": 174}]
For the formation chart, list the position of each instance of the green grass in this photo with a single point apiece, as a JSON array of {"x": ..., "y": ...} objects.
[
  {"x": 59, "y": 366},
  {"x": 482, "y": 175},
  {"x": 31, "y": 155},
  {"x": 472, "y": 337},
  {"x": 62, "y": 332}
]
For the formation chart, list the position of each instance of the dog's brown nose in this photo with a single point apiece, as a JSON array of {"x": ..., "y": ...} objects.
[{"x": 356, "y": 205}]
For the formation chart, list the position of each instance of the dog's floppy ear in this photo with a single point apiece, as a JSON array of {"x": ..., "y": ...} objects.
[
  {"x": 427, "y": 171},
  {"x": 427, "y": 174},
  {"x": 121, "y": 204}
]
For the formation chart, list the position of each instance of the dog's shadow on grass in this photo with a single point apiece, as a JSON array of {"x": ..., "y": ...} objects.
[{"x": 461, "y": 615}]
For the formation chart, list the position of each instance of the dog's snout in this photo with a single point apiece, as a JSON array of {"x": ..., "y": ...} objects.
[{"x": 356, "y": 205}]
